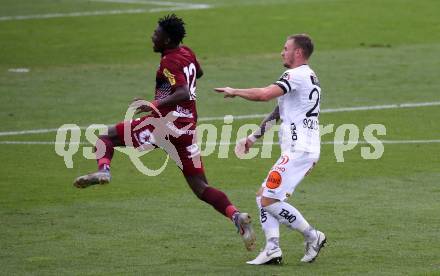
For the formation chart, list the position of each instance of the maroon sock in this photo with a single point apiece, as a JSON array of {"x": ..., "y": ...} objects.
[
  {"x": 219, "y": 201},
  {"x": 104, "y": 152}
]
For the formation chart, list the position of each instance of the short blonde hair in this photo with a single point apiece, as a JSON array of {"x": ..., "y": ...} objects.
[{"x": 304, "y": 42}]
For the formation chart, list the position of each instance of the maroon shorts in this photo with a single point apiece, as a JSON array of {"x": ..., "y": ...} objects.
[{"x": 178, "y": 139}]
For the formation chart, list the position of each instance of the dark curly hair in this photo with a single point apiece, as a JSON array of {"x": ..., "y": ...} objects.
[{"x": 174, "y": 27}]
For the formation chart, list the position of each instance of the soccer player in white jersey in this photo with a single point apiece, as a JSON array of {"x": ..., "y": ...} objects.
[{"x": 298, "y": 94}]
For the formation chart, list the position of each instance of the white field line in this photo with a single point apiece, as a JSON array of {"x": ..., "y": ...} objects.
[
  {"x": 165, "y": 6},
  {"x": 32, "y": 131},
  {"x": 72, "y": 14},
  {"x": 39, "y": 143},
  {"x": 334, "y": 110},
  {"x": 252, "y": 116},
  {"x": 391, "y": 142},
  {"x": 19, "y": 70},
  {"x": 146, "y": 2}
]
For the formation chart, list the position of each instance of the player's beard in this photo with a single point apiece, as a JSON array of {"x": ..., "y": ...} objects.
[{"x": 288, "y": 63}]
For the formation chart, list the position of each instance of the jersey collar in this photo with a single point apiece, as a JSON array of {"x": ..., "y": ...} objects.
[{"x": 169, "y": 51}]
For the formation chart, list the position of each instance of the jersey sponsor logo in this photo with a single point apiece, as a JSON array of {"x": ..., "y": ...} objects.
[
  {"x": 293, "y": 132},
  {"x": 285, "y": 76},
  {"x": 279, "y": 168},
  {"x": 273, "y": 180},
  {"x": 315, "y": 80},
  {"x": 182, "y": 112},
  {"x": 284, "y": 160},
  {"x": 263, "y": 215},
  {"x": 178, "y": 131},
  {"x": 169, "y": 76},
  {"x": 311, "y": 124},
  {"x": 287, "y": 215}
]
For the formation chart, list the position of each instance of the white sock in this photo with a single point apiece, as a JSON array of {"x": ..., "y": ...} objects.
[
  {"x": 270, "y": 226},
  {"x": 291, "y": 217}
]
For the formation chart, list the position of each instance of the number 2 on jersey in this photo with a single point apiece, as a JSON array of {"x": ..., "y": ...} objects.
[
  {"x": 190, "y": 74},
  {"x": 311, "y": 112}
]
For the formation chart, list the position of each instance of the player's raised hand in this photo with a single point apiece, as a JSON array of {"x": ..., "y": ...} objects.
[{"x": 228, "y": 92}]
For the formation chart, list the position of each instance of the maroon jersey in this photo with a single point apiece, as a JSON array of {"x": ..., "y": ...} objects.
[{"x": 178, "y": 67}]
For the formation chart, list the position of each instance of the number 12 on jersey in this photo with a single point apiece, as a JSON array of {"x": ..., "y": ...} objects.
[{"x": 190, "y": 74}]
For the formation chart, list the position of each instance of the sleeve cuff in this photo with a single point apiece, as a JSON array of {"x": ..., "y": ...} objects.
[{"x": 282, "y": 86}]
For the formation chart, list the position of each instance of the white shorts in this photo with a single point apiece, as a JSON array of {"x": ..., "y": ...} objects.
[{"x": 287, "y": 173}]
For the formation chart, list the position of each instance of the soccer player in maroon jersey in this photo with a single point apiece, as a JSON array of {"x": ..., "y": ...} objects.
[{"x": 175, "y": 95}]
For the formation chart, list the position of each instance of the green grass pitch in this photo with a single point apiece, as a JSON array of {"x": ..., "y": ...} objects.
[{"x": 381, "y": 216}]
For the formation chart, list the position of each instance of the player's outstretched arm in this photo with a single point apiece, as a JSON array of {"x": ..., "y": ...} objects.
[{"x": 253, "y": 94}]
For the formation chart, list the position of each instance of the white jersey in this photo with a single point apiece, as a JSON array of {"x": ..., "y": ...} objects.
[{"x": 299, "y": 110}]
